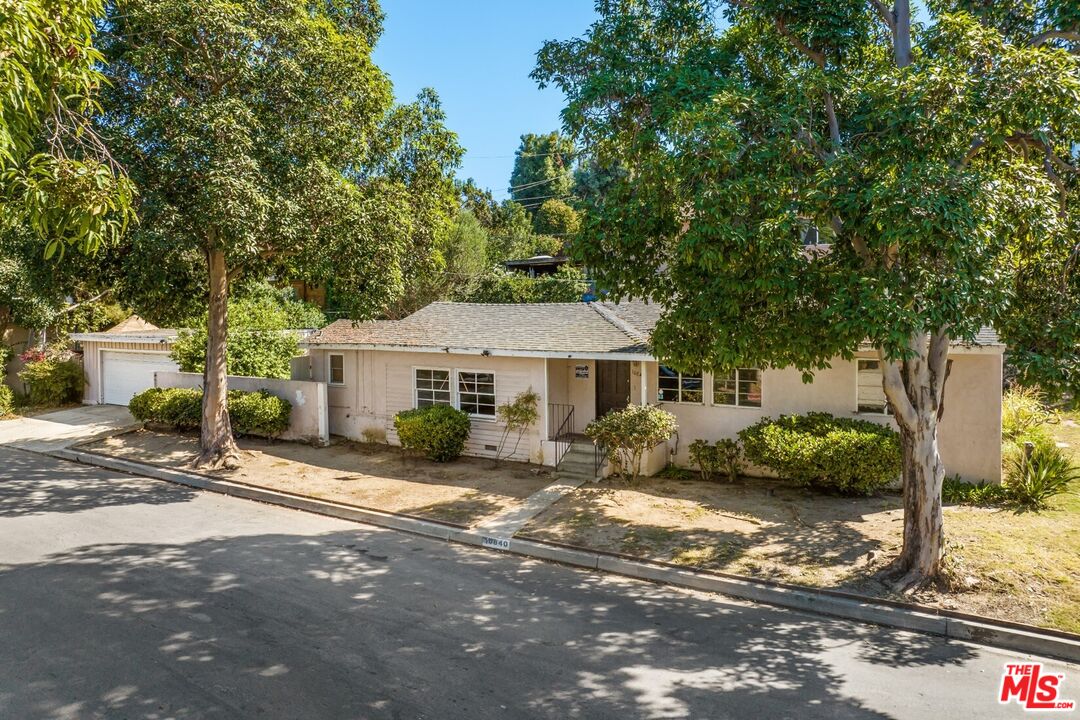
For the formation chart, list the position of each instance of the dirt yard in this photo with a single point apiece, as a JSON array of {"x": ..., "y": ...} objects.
[
  {"x": 371, "y": 476},
  {"x": 1023, "y": 567}
]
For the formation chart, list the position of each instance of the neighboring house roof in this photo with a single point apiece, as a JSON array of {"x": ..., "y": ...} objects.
[
  {"x": 538, "y": 329},
  {"x": 538, "y": 261},
  {"x": 531, "y": 329},
  {"x": 131, "y": 325}
]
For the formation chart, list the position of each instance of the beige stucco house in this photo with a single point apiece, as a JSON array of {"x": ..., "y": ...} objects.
[{"x": 584, "y": 359}]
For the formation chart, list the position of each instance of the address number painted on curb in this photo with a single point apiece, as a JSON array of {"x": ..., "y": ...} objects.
[{"x": 497, "y": 543}]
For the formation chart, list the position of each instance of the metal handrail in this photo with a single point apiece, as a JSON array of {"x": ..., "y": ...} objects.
[
  {"x": 563, "y": 434},
  {"x": 600, "y": 457}
]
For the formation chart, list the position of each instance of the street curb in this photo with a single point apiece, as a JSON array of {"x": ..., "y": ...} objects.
[{"x": 1026, "y": 639}]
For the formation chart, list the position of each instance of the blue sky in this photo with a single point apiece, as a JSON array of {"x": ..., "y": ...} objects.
[{"x": 478, "y": 54}]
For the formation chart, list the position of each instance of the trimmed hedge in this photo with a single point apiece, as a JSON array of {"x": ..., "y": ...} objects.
[
  {"x": 53, "y": 382},
  {"x": 251, "y": 413},
  {"x": 437, "y": 431},
  {"x": 856, "y": 457}
]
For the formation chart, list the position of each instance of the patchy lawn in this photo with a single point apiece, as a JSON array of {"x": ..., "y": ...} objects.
[
  {"x": 372, "y": 476},
  {"x": 1023, "y": 567}
]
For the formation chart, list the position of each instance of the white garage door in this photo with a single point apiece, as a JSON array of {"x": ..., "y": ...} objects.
[{"x": 125, "y": 374}]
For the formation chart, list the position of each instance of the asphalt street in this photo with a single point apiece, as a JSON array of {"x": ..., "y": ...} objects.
[{"x": 123, "y": 597}]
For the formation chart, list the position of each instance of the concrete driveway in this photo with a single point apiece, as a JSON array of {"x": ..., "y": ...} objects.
[
  {"x": 63, "y": 428},
  {"x": 122, "y": 597}
]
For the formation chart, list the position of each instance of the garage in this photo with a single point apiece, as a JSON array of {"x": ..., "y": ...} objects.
[{"x": 125, "y": 373}]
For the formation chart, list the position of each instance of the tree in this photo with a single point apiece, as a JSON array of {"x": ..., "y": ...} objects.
[
  {"x": 56, "y": 178},
  {"x": 542, "y": 169},
  {"x": 935, "y": 160},
  {"x": 265, "y": 142},
  {"x": 502, "y": 286},
  {"x": 556, "y": 218}
]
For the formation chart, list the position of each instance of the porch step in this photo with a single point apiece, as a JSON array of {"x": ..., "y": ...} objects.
[{"x": 579, "y": 460}]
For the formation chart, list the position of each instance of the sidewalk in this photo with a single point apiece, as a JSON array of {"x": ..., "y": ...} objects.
[{"x": 64, "y": 428}]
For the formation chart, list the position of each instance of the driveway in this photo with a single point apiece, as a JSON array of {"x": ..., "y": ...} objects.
[
  {"x": 60, "y": 429},
  {"x": 122, "y": 597}
]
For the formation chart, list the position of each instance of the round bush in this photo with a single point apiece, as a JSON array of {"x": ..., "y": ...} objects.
[
  {"x": 438, "y": 431},
  {"x": 53, "y": 382},
  {"x": 7, "y": 400},
  {"x": 258, "y": 413},
  {"x": 849, "y": 456}
]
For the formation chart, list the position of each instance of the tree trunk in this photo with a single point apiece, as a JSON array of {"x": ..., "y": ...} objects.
[
  {"x": 915, "y": 389},
  {"x": 217, "y": 446}
]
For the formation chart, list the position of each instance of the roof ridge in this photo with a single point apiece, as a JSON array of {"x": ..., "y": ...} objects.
[{"x": 608, "y": 314}]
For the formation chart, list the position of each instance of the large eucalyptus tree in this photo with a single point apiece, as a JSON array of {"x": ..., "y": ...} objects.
[
  {"x": 265, "y": 142},
  {"x": 938, "y": 159}
]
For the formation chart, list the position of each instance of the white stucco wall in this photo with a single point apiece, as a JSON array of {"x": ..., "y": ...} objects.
[{"x": 970, "y": 431}]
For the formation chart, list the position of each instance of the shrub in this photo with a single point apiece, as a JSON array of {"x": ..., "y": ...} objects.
[
  {"x": 1031, "y": 481},
  {"x": 518, "y": 416},
  {"x": 437, "y": 431},
  {"x": 822, "y": 451},
  {"x": 713, "y": 459},
  {"x": 628, "y": 433},
  {"x": 250, "y": 353},
  {"x": 258, "y": 413},
  {"x": 250, "y": 413},
  {"x": 7, "y": 400},
  {"x": 955, "y": 491},
  {"x": 53, "y": 381},
  {"x": 1023, "y": 413}
]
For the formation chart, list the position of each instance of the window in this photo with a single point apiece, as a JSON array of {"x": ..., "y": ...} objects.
[
  {"x": 870, "y": 395},
  {"x": 679, "y": 387},
  {"x": 337, "y": 370},
  {"x": 740, "y": 387},
  {"x": 432, "y": 387},
  {"x": 476, "y": 393}
]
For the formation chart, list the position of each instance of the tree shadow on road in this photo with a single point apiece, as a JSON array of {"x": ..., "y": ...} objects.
[{"x": 369, "y": 624}]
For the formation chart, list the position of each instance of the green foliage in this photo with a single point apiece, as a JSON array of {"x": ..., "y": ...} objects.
[
  {"x": 250, "y": 353},
  {"x": 854, "y": 457},
  {"x": 517, "y": 415},
  {"x": 711, "y": 460},
  {"x": 53, "y": 381},
  {"x": 1023, "y": 412},
  {"x": 250, "y": 413},
  {"x": 955, "y": 491},
  {"x": 503, "y": 286},
  {"x": 258, "y": 413},
  {"x": 260, "y": 344},
  {"x": 543, "y": 169},
  {"x": 56, "y": 178},
  {"x": 1032, "y": 481},
  {"x": 7, "y": 400},
  {"x": 437, "y": 431},
  {"x": 628, "y": 433},
  {"x": 179, "y": 407},
  {"x": 555, "y": 217}
]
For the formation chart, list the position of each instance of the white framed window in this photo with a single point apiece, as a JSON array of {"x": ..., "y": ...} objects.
[
  {"x": 677, "y": 387},
  {"x": 335, "y": 372},
  {"x": 738, "y": 388},
  {"x": 476, "y": 393},
  {"x": 431, "y": 386},
  {"x": 869, "y": 392}
]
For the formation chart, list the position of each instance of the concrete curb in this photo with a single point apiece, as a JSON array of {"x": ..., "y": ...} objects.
[{"x": 1025, "y": 639}]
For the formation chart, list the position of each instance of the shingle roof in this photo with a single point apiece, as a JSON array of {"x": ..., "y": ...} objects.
[
  {"x": 541, "y": 328},
  {"x": 532, "y": 327}
]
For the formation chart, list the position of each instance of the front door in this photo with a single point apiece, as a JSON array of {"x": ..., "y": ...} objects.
[{"x": 612, "y": 385}]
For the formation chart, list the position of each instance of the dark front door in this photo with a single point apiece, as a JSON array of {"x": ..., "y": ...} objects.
[{"x": 612, "y": 385}]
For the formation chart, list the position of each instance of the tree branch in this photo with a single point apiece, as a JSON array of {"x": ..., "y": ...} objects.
[
  {"x": 1048, "y": 35},
  {"x": 886, "y": 14},
  {"x": 893, "y": 384}
]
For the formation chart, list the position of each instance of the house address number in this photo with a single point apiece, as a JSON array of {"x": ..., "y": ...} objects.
[{"x": 497, "y": 543}]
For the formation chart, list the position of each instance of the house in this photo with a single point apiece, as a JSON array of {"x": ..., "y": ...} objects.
[
  {"x": 537, "y": 264},
  {"x": 585, "y": 359},
  {"x": 121, "y": 361}
]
